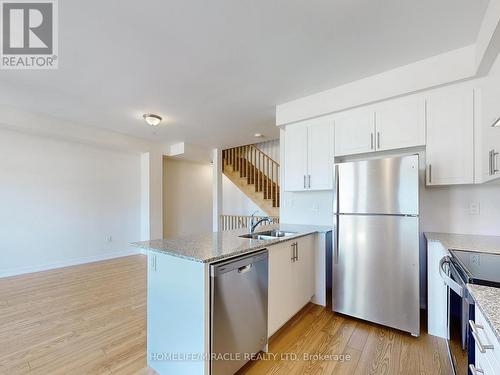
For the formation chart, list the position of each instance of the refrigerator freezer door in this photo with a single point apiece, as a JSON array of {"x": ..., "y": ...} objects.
[
  {"x": 379, "y": 186},
  {"x": 376, "y": 270}
]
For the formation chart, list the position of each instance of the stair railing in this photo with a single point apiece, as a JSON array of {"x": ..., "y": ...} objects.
[
  {"x": 259, "y": 168},
  {"x": 231, "y": 222}
]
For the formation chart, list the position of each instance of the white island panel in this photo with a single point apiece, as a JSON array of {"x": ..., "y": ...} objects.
[{"x": 177, "y": 313}]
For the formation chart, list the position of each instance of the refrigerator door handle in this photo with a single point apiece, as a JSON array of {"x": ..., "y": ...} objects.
[
  {"x": 336, "y": 244},
  {"x": 336, "y": 204}
]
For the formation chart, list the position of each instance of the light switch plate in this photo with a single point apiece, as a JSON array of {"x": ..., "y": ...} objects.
[{"x": 474, "y": 208}]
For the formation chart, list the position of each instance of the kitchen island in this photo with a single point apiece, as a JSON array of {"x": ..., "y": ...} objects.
[{"x": 179, "y": 316}]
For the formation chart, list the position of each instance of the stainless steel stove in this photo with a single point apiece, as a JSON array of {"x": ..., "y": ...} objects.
[
  {"x": 462, "y": 268},
  {"x": 479, "y": 268}
]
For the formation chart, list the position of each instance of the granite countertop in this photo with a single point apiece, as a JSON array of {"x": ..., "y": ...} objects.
[
  {"x": 214, "y": 246},
  {"x": 487, "y": 298},
  {"x": 467, "y": 242}
]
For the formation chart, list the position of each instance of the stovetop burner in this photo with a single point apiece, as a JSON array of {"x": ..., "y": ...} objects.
[{"x": 481, "y": 268}]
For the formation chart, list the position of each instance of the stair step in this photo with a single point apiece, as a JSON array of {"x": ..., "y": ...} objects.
[{"x": 250, "y": 178}]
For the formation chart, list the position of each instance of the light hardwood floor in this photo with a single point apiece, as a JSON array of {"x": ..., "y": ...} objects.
[{"x": 91, "y": 319}]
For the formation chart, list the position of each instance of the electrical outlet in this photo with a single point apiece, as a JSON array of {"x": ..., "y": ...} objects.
[
  {"x": 475, "y": 259},
  {"x": 315, "y": 207},
  {"x": 474, "y": 208},
  {"x": 109, "y": 238}
]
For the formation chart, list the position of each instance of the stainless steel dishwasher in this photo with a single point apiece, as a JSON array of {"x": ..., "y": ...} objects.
[{"x": 238, "y": 311}]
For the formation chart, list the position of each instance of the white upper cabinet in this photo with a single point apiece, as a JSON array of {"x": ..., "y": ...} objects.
[
  {"x": 391, "y": 125},
  {"x": 320, "y": 155},
  {"x": 450, "y": 136},
  {"x": 308, "y": 163},
  {"x": 488, "y": 137},
  {"x": 400, "y": 123},
  {"x": 355, "y": 132},
  {"x": 295, "y": 163}
]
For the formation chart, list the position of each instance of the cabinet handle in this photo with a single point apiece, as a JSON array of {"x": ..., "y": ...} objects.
[
  {"x": 296, "y": 251},
  {"x": 474, "y": 370},
  {"x": 371, "y": 141},
  {"x": 309, "y": 181},
  {"x": 378, "y": 140},
  {"x": 293, "y": 252},
  {"x": 482, "y": 347},
  {"x": 430, "y": 173},
  {"x": 495, "y": 123},
  {"x": 304, "y": 181},
  {"x": 490, "y": 160},
  {"x": 494, "y": 161}
]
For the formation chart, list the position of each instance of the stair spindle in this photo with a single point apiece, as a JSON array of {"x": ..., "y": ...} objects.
[
  {"x": 247, "y": 166},
  {"x": 272, "y": 184},
  {"x": 257, "y": 169}
]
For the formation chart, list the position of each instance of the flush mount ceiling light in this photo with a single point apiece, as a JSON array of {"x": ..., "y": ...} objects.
[
  {"x": 258, "y": 135},
  {"x": 152, "y": 119},
  {"x": 496, "y": 124}
]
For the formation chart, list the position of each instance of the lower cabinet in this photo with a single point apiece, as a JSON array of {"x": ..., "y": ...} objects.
[
  {"x": 487, "y": 347},
  {"x": 437, "y": 292},
  {"x": 291, "y": 279}
]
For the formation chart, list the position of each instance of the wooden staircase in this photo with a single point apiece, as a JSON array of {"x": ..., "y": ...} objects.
[{"x": 255, "y": 174}]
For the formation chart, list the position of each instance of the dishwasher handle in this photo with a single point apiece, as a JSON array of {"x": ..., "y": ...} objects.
[
  {"x": 241, "y": 265},
  {"x": 246, "y": 268}
]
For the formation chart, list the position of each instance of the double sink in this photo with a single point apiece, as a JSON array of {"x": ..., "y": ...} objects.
[{"x": 268, "y": 235}]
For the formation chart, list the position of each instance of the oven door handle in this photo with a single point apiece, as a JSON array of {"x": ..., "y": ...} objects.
[{"x": 452, "y": 284}]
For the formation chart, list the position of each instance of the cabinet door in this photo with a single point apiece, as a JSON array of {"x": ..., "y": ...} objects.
[
  {"x": 295, "y": 157},
  {"x": 320, "y": 154},
  {"x": 437, "y": 292},
  {"x": 281, "y": 300},
  {"x": 400, "y": 124},
  {"x": 488, "y": 137},
  {"x": 303, "y": 271},
  {"x": 355, "y": 133},
  {"x": 450, "y": 137}
]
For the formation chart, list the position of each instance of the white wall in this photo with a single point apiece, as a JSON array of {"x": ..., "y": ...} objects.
[
  {"x": 60, "y": 201},
  {"x": 234, "y": 201},
  {"x": 315, "y": 208},
  {"x": 187, "y": 197},
  {"x": 447, "y": 209},
  {"x": 270, "y": 148}
]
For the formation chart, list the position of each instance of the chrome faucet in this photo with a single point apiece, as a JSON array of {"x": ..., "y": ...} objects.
[{"x": 254, "y": 224}]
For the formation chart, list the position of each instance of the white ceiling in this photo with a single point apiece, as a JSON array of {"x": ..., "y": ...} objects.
[{"x": 217, "y": 68}]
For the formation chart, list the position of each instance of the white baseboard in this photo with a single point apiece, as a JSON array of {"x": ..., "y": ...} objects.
[{"x": 66, "y": 263}]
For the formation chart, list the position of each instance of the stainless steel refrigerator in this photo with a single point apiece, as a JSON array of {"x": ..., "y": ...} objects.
[{"x": 376, "y": 249}]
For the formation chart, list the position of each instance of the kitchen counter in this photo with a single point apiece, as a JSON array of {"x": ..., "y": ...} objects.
[
  {"x": 487, "y": 299},
  {"x": 480, "y": 244},
  {"x": 214, "y": 246},
  {"x": 180, "y": 287}
]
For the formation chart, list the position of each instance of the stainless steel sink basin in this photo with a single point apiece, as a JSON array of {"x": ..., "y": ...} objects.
[{"x": 268, "y": 235}]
